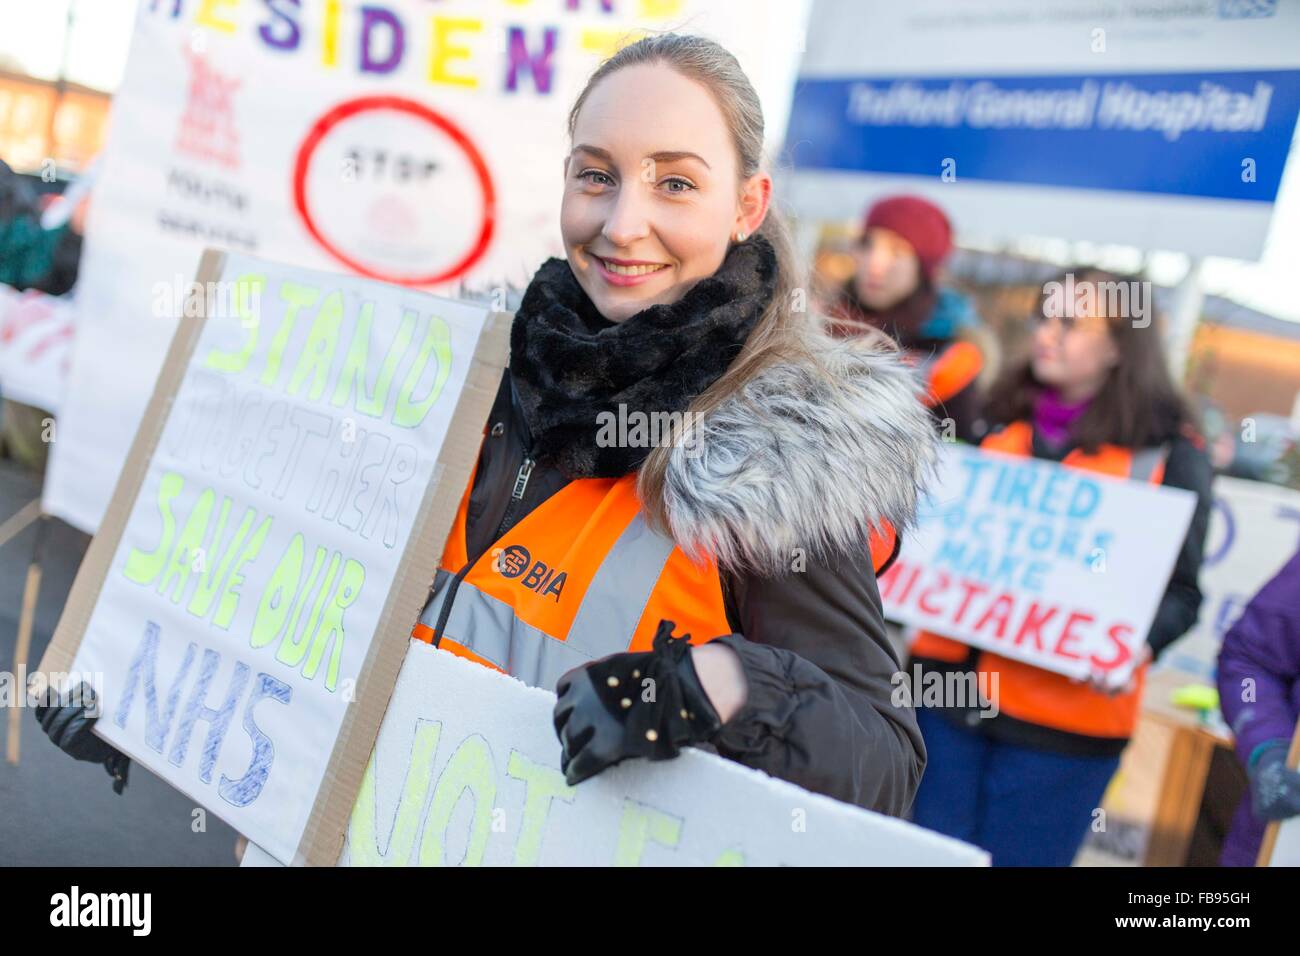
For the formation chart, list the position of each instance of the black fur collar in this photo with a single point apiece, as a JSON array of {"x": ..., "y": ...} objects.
[{"x": 570, "y": 364}]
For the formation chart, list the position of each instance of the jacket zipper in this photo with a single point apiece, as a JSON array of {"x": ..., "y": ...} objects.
[{"x": 516, "y": 496}]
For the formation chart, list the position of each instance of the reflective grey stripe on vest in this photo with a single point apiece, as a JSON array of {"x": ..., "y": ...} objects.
[
  {"x": 605, "y": 622},
  {"x": 1145, "y": 462},
  {"x": 488, "y": 627},
  {"x": 607, "y": 618}
]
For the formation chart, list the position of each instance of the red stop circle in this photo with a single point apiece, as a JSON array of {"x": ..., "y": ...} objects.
[{"x": 449, "y": 129}]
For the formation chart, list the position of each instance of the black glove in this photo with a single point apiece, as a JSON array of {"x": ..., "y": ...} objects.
[
  {"x": 1274, "y": 790},
  {"x": 66, "y": 722},
  {"x": 607, "y": 712}
]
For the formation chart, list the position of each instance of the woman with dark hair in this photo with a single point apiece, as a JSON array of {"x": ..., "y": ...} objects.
[{"x": 1095, "y": 394}]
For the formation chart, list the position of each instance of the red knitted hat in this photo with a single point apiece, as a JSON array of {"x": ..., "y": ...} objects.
[{"x": 920, "y": 222}]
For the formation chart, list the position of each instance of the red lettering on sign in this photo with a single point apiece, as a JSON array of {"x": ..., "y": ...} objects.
[
  {"x": 1032, "y": 626},
  {"x": 922, "y": 599},
  {"x": 1117, "y": 635},
  {"x": 971, "y": 588},
  {"x": 1067, "y": 633},
  {"x": 911, "y": 582},
  {"x": 998, "y": 613}
]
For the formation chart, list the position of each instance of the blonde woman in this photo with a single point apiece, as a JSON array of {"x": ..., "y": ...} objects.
[{"x": 583, "y": 545}]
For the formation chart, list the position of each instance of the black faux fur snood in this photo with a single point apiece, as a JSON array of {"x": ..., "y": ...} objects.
[{"x": 570, "y": 364}]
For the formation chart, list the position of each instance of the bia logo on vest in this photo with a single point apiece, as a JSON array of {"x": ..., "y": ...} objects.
[{"x": 515, "y": 560}]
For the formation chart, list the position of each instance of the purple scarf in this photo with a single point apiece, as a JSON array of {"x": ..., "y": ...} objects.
[{"x": 1053, "y": 418}]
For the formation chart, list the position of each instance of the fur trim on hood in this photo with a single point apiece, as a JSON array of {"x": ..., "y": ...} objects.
[{"x": 803, "y": 457}]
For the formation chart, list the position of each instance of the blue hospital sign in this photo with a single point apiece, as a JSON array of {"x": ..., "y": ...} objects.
[
  {"x": 1212, "y": 135},
  {"x": 1162, "y": 125}
]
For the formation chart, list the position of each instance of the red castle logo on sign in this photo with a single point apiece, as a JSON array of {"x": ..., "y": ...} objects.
[{"x": 207, "y": 128}]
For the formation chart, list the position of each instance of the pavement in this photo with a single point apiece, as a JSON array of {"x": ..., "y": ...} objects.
[{"x": 56, "y": 811}]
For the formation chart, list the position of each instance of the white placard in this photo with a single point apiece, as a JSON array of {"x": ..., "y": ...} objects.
[
  {"x": 36, "y": 334},
  {"x": 466, "y": 771},
  {"x": 1060, "y": 567}
]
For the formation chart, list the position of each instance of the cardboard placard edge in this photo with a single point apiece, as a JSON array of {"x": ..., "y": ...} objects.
[{"x": 326, "y": 827}]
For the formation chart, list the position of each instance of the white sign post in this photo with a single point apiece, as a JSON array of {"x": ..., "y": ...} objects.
[{"x": 1059, "y": 567}]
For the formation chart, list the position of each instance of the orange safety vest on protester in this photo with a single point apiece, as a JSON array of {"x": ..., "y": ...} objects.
[
  {"x": 950, "y": 371},
  {"x": 1031, "y": 693},
  {"x": 579, "y": 577}
]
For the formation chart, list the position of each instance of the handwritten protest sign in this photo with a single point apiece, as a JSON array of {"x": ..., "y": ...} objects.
[
  {"x": 245, "y": 608},
  {"x": 466, "y": 771},
  {"x": 36, "y": 335},
  {"x": 1059, "y": 567}
]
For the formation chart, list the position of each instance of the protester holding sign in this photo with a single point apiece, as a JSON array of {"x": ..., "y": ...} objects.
[
  {"x": 679, "y": 505},
  {"x": 904, "y": 241},
  {"x": 590, "y": 535},
  {"x": 1023, "y": 777},
  {"x": 1259, "y": 690}
]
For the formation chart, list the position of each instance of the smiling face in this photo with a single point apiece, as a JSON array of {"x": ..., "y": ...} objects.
[{"x": 652, "y": 190}]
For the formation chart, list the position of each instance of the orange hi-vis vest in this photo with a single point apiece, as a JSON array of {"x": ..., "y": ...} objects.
[
  {"x": 579, "y": 577},
  {"x": 1031, "y": 693},
  {"x": 951, "y": 371}
]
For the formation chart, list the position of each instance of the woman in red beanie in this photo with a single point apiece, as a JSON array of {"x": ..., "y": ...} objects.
[{"x": 904, "y": 241}]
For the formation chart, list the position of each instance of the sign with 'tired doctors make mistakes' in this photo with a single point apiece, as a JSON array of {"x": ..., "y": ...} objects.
[{"x": 1060, "y": 567}]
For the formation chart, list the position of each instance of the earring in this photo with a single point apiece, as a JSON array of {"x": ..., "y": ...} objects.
[{"x": 742, "y": 236}]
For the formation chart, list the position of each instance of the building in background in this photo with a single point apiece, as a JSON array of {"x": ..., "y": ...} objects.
[{"x": 45, "y": 120}]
